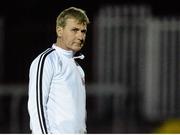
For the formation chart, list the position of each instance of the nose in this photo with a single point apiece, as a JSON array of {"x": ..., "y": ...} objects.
[{"x": 80, "y": 36}]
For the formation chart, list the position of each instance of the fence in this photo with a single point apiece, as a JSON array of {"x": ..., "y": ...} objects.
[
  {"x": 120, "y": 34},
  {"x": 135, "y": 49},
  {"x": 162, "y": 69},
  {"x": 13, "y": 115}
]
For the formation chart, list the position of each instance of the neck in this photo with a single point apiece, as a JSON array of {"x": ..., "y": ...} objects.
[{"x": 58, "y": 42}]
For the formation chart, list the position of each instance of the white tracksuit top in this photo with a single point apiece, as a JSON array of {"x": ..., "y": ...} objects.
[{"x": 56, "y": 101}]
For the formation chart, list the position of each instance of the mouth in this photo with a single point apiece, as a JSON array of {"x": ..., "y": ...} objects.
[{"x": 78, "y": 44}]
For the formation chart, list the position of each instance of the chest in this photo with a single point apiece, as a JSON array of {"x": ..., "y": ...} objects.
[{"x": 70, "y": 72}]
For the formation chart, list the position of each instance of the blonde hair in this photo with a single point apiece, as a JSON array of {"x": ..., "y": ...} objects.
[{"x": 71, "y": 12}]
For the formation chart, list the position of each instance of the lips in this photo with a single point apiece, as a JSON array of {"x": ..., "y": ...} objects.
[{"x": 78, "y": 44}]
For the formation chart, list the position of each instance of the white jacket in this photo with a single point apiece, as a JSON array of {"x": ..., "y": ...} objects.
[{"x": 57, "y": 98}]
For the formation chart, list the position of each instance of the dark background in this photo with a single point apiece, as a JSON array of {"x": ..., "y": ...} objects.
[{"x": 29, "y": 28}]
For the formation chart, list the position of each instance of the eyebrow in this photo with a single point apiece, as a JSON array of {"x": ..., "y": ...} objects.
[{"x": 84, "y": 30}]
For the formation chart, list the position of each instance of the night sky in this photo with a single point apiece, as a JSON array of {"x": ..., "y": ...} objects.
[
  {"x": 34, "y": 8},
  {"x": 29, "y": 28}
]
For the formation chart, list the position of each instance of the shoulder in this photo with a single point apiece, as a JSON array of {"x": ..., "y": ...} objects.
[{"x": 44, "y": 58}]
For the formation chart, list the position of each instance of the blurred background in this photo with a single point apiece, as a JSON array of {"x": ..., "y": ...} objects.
[{"x": 131, "y": 62}]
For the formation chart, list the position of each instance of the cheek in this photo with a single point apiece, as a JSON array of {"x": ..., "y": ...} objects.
[
  {"x": 69, "y": 40},
  {"x": 67, "y": 37},
  {"x": 71, "y": 37}
]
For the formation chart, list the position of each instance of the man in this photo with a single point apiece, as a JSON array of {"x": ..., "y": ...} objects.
[{"x": 57, "y": 99}]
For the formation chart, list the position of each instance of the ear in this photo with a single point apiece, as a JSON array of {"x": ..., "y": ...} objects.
[{"x": 59, "y": 31}]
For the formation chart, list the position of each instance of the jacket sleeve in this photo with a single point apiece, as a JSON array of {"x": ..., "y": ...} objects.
[{"x": 40, "y": 76}]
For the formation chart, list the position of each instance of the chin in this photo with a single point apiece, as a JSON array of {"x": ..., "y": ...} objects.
[{"x": 76, "y": 49}]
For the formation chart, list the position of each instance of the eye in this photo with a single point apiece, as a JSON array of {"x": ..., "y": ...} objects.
[
  {"x": 84, "y": 31},
  {"x": 75, "y": 30}
]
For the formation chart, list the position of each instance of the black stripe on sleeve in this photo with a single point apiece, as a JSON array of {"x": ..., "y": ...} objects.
[{"x": 39, "y": 90}]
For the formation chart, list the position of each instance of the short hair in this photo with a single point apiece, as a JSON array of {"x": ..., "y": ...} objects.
[{"x": 72, "y": 12}]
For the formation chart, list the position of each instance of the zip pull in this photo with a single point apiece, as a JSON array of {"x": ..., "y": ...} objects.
[{"x": 79, "y": 57}]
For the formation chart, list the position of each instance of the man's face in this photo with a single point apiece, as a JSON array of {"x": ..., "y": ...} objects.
[{"x": 72, "y": 36}]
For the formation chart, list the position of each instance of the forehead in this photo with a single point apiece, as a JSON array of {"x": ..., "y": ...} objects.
[{"x": 71, "y": 22}]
